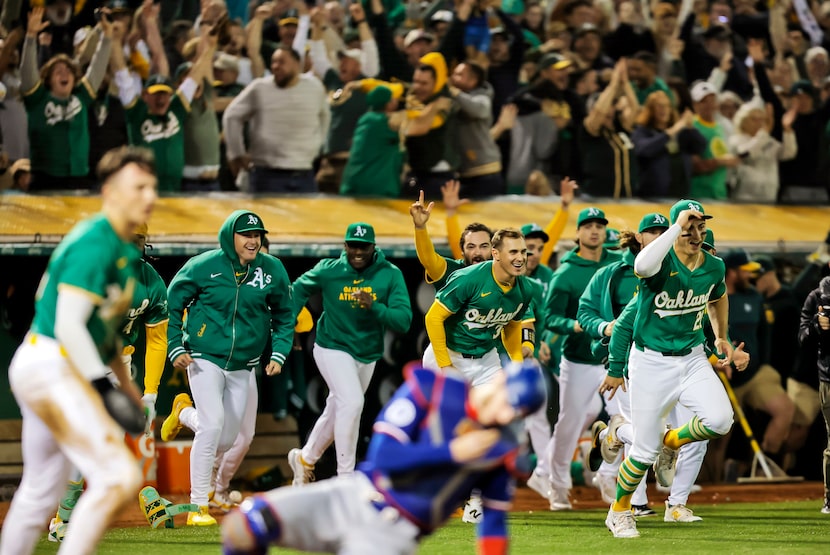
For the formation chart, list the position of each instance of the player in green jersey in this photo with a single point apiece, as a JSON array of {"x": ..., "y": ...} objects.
[
  {"x": 679, "y": 283},
  {"x": 149, "y": 307},
  {"x": 71, "y": 413}
]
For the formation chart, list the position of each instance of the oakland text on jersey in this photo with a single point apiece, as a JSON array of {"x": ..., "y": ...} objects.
[
  {"x": 686, "y": 302},
  {"x": 56, "y": 113},
  {"x": 493, "y": 318},
  {"x": 152, "y": 131}
]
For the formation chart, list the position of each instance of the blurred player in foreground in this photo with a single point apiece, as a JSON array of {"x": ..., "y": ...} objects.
[
  {"x": 71, "y": 412},
  {"x": 433, "y": 442}
]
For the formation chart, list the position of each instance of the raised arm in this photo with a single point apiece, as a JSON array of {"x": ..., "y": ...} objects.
[
  {"x": 434, "y": 264},
  {"x": 97, "y": 69},
  {"x": 605, "y": 102},
  {"x": 253, "y": 32},
  {"x": 371, "y": 58},
  {"x": 29, "y": 76},
  {"x": 152, "y": 36},
  {"x": 557, "y": 223}
]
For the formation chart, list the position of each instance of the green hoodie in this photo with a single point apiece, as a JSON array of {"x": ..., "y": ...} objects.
[
  {"x": 344, "y": 326},
  {"x": 229, "y": 320},
  {"x": 569, "y": 281},
  {"x": 604, "y": 299}
]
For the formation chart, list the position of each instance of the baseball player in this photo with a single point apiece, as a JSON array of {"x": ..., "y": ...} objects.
[
  {"x": 474, "y": 242},
  {"x": 363, "y": 295},
  {"x": 580, "y": 371},
  {"x": 149, "y": 306},
  {"x": 237, "y": 299},
  {"x": 608, "y": 292},
  {"x": 679, "y": 283},
  {"x": 71, "y": 412},
  {"x": 434, "y": 441}
]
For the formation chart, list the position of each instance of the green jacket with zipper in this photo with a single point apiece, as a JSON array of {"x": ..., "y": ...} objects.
[{"x": 232, "y": 310}]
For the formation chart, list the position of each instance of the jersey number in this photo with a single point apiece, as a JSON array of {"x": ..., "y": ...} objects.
[{"x": 699, "y": 320}]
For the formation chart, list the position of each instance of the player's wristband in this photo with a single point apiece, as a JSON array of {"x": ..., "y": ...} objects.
[{"x": 528, "y": 336}]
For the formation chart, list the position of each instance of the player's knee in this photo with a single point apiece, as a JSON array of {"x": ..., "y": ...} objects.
[
  {"x": 250, "y": 529},
  {"x": 349, "y": 408},
  {"x": 719, "y": 421}
]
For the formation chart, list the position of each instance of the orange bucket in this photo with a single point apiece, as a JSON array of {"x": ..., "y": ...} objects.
[
  {"x": 173, "y": 467},
  {"x": 144, "y": 449}
]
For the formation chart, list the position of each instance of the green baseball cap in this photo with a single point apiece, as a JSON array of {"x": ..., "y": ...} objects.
[
  {"x": 589, "y": 215},
  {"x": 652, "y": 221},
  {"x": 686, "y": 204},
  {"x": 360, "y": 232},
  {"x": 709, "y": 240},
  {"x": 158, "y": 83},
  {"x": 612, "y": 238},
  {"x": 248, "y": 222},
  {"x": 535, "y": 230}
]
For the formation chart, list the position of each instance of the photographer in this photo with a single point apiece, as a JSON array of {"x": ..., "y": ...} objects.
[{"x": 815, "y": 331}]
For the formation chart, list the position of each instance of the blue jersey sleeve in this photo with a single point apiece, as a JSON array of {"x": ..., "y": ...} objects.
[{"x": 393, "y": 449}]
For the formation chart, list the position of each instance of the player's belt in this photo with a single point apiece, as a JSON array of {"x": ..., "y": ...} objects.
[
  {"x": 680, "y": 353},
  {"x": 466, "y": 355}
]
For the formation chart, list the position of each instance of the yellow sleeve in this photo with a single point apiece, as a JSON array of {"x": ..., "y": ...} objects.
[
  {"x": 139, "y": 64},
  {"x": 512, "y": 339},
  {"x": 454, "y": 236},
  {"x": 437, "y": 121},
  {"x": 433, "y": 263},
  {"x": 368, "y": 84},
  {"x": 304, "y": 321},
  {"x": 434, "y": 321},
  {"x": 155, "y": 356},
  {"x": 554, "y": 230}
]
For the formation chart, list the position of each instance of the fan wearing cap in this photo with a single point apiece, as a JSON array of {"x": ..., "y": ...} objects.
[
  {"x": 156, "y": 114},
  {"x": 347, "y": 104},
  {"x": 237, "y": 300},
  {"x": 432, "y": 443},
  {"x": 760, "y": 385},
  {"x": 375, "y": 159},
  {"x": 363, "y": 296},
  {"x": 710, "y": 167},
  {"x": 803, "y": 179},
  {"x": 679, "y": 284},
  {"x": 57, "y": 102}
]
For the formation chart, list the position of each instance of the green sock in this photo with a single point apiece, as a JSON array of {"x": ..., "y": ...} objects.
[
  {"x": 630, "y": 476},
  {"x": 694, "y": 430},
  {"x": 70, "y": 498}
]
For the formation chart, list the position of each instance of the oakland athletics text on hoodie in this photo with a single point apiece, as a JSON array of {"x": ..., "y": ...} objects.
[
  {"x": 232, "y": 310},
  {"x": 344, "y": 325}
]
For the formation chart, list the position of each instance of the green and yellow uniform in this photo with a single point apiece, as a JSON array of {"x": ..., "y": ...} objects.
[
  {"x": 164, "y": 135},
  {"x": 713, "y": 184},
  {"x": 149, "y": 305},
  {"x": 58, "y": 130},
  {"x": 481, "y": 308},
  {"x": 95, "y": 260},
  {"x": 672, "y": 304}
]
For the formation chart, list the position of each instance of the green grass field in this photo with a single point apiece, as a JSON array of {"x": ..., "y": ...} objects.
[{"x": 730, "y": 528}]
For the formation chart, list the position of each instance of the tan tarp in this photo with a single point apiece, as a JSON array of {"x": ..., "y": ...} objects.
[{"x": 323, "y": 220}]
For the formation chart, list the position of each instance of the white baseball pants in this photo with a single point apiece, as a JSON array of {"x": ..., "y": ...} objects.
[
  {"x": 578, "y": 385},
  {"x": 64, "y": 424},
  {"x": 221, "y": 398},
  {"x": 347, "y": 380},
  {"x": 689, "y": 459},
  {"x": 660, "y": 382},
  {"x": 477, "y": 371},
  {"x": 228, "y": 463}
]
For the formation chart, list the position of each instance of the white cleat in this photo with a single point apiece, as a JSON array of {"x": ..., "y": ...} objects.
[
  {"x": 559, "y": 500},
  {"x": 611, "y": 445},
  {"x": 664, "y": 466},
  {"x": 622, "y": 524},
  {"x": 540, "y": 485},
  {"x": 607, "y": 486},
  {"x": 473, "y": 511},
  {"x": 303, "y": 472},
  {"x": 679, "y": 513}
]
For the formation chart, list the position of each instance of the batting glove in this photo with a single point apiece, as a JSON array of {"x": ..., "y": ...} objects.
[{"x": 149, "y": 401}]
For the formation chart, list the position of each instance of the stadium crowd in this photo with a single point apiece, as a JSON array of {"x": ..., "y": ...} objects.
[{"x": 712, "y": 100}]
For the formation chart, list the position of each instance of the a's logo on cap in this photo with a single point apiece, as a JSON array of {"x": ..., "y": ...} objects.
[
  {"x": 252, "y": 220},
  {"x": 359, "y": 231},
  {"x": 593, "y": 212},
  {"x": 693, "y": 206},
  {"x": 658, "y": 219}
]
